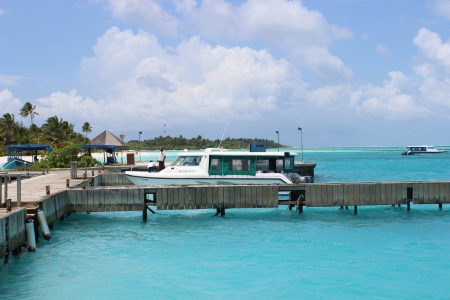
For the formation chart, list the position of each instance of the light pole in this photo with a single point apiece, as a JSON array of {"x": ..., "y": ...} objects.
[
  {"x": 122, "y": 137},
  {"x": 278, "y": 133},
  {"x": 301, "y": 140},
  {"x": 139, "y": 145}
]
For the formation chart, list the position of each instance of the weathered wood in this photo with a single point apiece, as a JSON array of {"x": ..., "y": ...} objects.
[{"x": 2, "y": 235}]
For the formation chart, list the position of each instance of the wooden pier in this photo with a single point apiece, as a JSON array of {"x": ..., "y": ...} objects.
[{"x": 58, "y": 195}]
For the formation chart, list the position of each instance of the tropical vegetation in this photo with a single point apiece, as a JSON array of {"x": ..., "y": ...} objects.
[
  {"x": 180, "y": 143},
  {"x": 56, "y": 132}
]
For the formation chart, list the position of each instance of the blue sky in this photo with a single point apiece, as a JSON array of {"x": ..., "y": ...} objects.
[{"x": 349, "y": 72}]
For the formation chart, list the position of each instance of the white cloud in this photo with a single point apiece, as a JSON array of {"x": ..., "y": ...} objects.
[
  {"x": 386, "y": 102},
  {"x": 303, "y": 34},
  {"x": 148, "y": 13},
  {"x": 442, "y": 8},
  {"x": 194, "y": 83},
  {"x": 10, "y": 79},
  {"x": 2, "y": 12},
  {"x": 430, "y": 43},
  {"x": 9, "y": 104},
  {"x": 382, "y": 49}
]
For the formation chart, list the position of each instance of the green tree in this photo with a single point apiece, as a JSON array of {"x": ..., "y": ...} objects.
[
  {"x": 28, "y": 110},
  {"x": 86, "y": 128},
  {"x": 9, "y": 129},
  {"x": 58, "y": 132}
]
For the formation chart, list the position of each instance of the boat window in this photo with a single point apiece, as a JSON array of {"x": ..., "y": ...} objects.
[
  {"x": 239, "y": 164},
  {"x": 187, "y": 161},
  {"x": 288, "y": 164},
  {"x": 236, "y": 165},
  {"x": 215, "y": 164}
]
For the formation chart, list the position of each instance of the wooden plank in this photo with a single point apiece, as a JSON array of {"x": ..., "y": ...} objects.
[
  {"x": 329, "y": 196},
  {"x": 259, "y": 196},
  {"x": 435, "y": 193},
  {"x": 265, "y": 196},
  {"x": 318, "y": 199},
  {"x": 335, "y": 195},
  {"x": 377, "y": 193},
  {"x": 373, "y": 193},
  {"x": 181, "y": 197},
  {"x": 426, "y": 195},
  {"x": 394, "y": 193},
  {"x": 356, "y": 194},
  {"x": 170, "y": 195},
  {"x": 345, "y": 194},
  {"x": 221, "y": 200},
  {"x": 164, "y": 199},
  {"x": 178, "y": 196},
  {"x": 246, "y": 201},
  {"x": 362, "y": 194},
  {"x": 350, "y": 198},
  {"x": 312, "y": 193},
  {"x": 2, "y": 235},
  {"x": 404, "y": 193},
  {"x": 209, "y": 197},
  {"x": 204, "y": 197},
  {"x": 383, "y": 197},
  {"x": 340, "y": 195},
  {"x": 254, "y": 196},
  {"x": 191, "y": 204},
  {"x": 197, "y": 198},
  {"x": 236, "y": 201},
  {"x": 446, "y": 193},
  {"x": 96, "y": 199}
]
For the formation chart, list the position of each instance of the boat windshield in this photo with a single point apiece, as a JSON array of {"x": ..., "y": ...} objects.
[{"x": 187, "y": 161}]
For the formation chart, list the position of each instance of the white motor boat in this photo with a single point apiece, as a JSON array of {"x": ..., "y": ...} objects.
[
  {"x": 424, "y": 149},
  {"x": 220, "y": 166}
]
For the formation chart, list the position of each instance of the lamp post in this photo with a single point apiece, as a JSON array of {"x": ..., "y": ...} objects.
[
  {"x": 278, "y": 133},
  {"x": 139, "y": 145},
  {"x": 122, "y": 137},
  {"x": 301, "y": 140}
]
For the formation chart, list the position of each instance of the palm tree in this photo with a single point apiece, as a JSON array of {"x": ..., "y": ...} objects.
[
  {"x": 58, "y": 132},
  {"x": 28, "y": 110},
  {"x": 86, "y": 128},
  {"x": 9, "y": 129}
]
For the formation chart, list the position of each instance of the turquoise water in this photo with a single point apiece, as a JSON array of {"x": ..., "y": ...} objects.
[{"x": 325, "y": 253}]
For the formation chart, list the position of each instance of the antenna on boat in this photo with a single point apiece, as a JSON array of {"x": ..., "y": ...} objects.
[{"x": 223, "y": 134}]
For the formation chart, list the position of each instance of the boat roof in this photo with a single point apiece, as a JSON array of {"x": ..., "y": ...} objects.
[{"x": 420, "y": 146}]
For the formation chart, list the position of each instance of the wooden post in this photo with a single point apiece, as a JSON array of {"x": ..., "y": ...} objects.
[
  {"x": 408, "y": 206},
  {"x": 1, "y": 189},
  {"x": 99, "y": 171},
  {"x": 43, "y": 172},
  {"x": 9, "y": 179},
  {"x": 47, "y": 190},
  {"x": 8, "y": 204},
  {"x": 5, "y": 192},
  {"x": 355, "y": 210},
  {"x": 93, "y": 173},
  {"x": 440, "y": 206},
  {"x": 28, "y": 175},
  {"x": 83, "y": 185},
  {"x": 84, "y": 176},
  {"x": 144, "y": 214},
  {"x": 67, "y": 183},
  {"x": 19, "y": 190}
]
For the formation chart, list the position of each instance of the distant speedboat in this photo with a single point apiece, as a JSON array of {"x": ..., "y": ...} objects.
[{"x": 424, "y": 149}]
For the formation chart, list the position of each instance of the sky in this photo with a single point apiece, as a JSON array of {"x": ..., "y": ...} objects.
[{"x": 348, "y": 72}]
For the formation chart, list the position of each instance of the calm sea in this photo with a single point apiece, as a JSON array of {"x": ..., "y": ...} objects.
[{"x": 383, "y": 252}]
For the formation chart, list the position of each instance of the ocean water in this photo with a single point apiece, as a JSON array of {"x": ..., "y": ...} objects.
[{"x": 383, "y": 252}]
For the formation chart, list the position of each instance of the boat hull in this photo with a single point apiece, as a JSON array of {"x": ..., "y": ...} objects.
[
  {"x": 423, "y": 152},
  {"x": 159, "y": 180}
]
